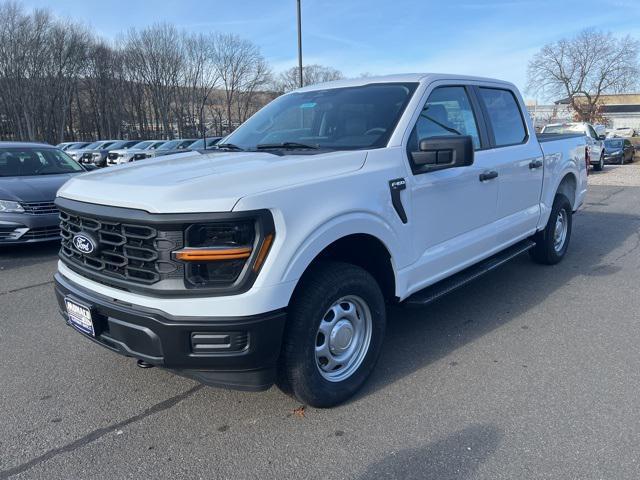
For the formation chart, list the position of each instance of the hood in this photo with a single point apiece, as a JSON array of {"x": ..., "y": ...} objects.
[
  {"x": 34, "y": 188},
  {"x": 121, "y": 151},
  {"x": 213, "y": 182}
]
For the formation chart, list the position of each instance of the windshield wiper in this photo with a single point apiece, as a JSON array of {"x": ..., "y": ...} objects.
[
  {"x": 229, "y": 146},
  {"x": 286, "y": 145},
  {"x": 441, "y": 125}
]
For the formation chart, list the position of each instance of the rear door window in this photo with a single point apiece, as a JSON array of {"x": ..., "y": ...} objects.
[{"x": 504, "y": 115}]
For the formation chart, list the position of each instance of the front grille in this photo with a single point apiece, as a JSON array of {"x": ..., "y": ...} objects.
[
  {"x": 126, "y": 252},
  {"x": 39, "y": 208},
  {"x": 41, "y": 233}
]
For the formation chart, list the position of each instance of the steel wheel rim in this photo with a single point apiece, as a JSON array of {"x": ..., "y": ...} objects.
[
  {"x": 343, "y": 338},
  {"x": 560, "y": 232}
]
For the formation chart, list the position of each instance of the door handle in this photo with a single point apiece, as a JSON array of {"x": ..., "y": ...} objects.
[
  {"x": 488, "y": 175},
  {"x": 535, "y": 164}
]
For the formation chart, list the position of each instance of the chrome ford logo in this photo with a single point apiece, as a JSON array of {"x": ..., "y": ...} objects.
[{"x": 84, "y": 243}]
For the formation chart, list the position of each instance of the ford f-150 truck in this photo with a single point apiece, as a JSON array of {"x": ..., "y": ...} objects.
[{"x": 272, "y": 258}]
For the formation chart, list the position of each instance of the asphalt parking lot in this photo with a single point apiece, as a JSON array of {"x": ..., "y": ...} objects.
[{"x": 531, "y": 372}]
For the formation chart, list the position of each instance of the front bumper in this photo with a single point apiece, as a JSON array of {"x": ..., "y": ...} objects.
[
  {"x": 613, "y": 158},
  {"x": 20, "y": 228},
  {"x": 233, "y": 352}
]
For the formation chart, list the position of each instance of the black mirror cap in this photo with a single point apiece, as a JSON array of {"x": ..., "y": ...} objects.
[
  {"x": 601, "y": 137},
  {"x": 89, "y": 166},
  {"x": 438, "y": 153}
]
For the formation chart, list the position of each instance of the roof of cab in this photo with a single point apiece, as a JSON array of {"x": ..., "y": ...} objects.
[
  {"x": 398, "y": 78},
  {"x": 24, "y": 144}
]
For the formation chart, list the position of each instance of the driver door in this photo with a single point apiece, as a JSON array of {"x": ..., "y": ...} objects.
[{"x": 452, "y": 209}]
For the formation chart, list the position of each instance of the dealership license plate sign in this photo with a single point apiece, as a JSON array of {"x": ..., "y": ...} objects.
[{"x": 80, "y": 317}]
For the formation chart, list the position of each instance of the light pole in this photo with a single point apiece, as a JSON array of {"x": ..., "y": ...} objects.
[{"x": 299, "y": 45}]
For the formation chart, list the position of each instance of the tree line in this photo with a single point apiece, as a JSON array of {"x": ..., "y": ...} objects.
[{"x": 58, "y": 81}]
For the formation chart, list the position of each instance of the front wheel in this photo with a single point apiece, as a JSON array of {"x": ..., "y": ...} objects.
[
  {"x": 335, "y": 328},
  {"x": 598, "y": 167},
  {"x": 552, "y": 242}
]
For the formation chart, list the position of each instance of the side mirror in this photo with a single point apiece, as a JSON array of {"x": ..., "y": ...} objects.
[
  {"x": 89, "y": 166},
  {"x": 601, "y": 137},
  {"x": 438, "y": 153}
]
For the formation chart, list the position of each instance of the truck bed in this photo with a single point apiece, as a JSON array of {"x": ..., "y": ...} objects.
[{"x": 550, "y": 137}]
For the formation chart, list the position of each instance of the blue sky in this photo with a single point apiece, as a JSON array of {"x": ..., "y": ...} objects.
[{"x": 490, "y": 38}]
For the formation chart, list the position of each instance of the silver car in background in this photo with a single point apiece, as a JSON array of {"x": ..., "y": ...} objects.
[{"x": 137, "y": 152}]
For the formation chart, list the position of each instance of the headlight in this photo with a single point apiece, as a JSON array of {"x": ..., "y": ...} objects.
[
  {"x": 225, "y": 254},
  {"x": 8, "y": 206}
]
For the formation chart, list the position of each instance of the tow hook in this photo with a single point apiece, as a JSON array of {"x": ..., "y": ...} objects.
[{"x": 143, "y": 364}]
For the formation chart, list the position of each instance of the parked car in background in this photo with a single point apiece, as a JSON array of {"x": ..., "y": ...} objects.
[
  {"x": 124, "y": 155},
  {"x": 223, "y": 267},
  {"x": 30, "y": 176},
  {"x": 200, "y": 144},
  {"x": 618, "y": 150},
  {"x": 98, "y": 156},
  {"x": 77, "y": 153},
  {"x": 173, "y": 146},
  {"x": 72, "y": 145},
  {"x": 622, "y": 132},
  {"x": 595, "y": 142}
]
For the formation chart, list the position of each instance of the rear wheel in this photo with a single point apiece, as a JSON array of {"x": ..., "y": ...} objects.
[
  {"x": 553, "y": 241},
  {"x": 334, "y": 334}
]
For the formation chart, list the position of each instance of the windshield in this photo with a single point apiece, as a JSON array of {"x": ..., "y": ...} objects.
[
  {"x": 169, "y": 145},
  {"x": 21, "y": 162},
  {"x": 76, "y": 146},
  {"x": 199, "y": 144},
  {"x": 564, "y": 129},
  {"x": 122, "y": 145},
  {"x": 336, "y": 119},
  {"x": 613, "y": 144},
  {"x": 141, "y": 145}
]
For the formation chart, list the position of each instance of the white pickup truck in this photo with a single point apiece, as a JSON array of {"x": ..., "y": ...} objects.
[
  {"x": 595, "y": 141},
  {"x": 272, "y": 259}
]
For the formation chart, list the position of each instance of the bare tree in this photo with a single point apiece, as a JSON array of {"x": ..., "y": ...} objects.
[
  {"x": 583, "y": 68},
  {"x": 57, "y": 81},
  {"x": 311, "y": 74},
  {"x": 155, "y": 54},
  {"x": 199, "y": 78},
  {"x": 241, "y": 67}
]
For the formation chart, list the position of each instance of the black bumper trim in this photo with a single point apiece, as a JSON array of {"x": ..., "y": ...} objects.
[{"x": 166, "y": 341}]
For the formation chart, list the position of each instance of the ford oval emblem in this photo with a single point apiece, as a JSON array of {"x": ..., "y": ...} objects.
[{"x": 84, "y": 243}]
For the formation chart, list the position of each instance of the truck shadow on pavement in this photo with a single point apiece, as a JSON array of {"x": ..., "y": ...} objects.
[
  {"x": 16, "y": 256},
  {"x": 417, "y": 337},
  {"x": 456, "y": 456}
]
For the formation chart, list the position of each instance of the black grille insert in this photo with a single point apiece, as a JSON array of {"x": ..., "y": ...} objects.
[
  {"x": 127, "y": 252},
  {"x": 39, "y": 208}
]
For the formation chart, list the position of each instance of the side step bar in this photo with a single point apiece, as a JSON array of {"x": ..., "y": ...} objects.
[{"x": 437, "y": 290}]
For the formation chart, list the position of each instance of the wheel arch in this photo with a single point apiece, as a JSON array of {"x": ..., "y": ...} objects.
[
  {"x": 568, "y": 186},
  {"x": 358, "y": 240}
]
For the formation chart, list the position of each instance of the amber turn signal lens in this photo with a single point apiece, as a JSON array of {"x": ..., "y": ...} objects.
[
  {"x": 262, "y": 253},
  {"x": 212, "y": 254}
]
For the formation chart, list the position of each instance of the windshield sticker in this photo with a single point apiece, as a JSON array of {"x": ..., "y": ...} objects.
[{"x": 308, "y": 105}]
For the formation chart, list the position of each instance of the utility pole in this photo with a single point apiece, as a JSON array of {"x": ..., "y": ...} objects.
[{"x": 300, "y": 45}]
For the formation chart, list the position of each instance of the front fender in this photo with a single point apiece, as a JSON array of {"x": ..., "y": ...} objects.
[{"x": 334, "y": 229}]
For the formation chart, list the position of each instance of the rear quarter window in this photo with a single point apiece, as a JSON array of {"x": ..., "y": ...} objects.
[{"x": 504, "y": 115}]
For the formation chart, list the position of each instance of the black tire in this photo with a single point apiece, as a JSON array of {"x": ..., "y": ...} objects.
[
  {"x": 298, "y": 371},
  {"x": 598, "y": 167},
  {"x": 545, "y": 251}
]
